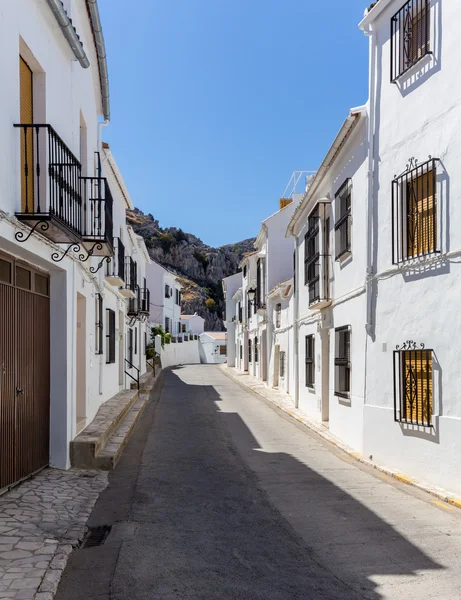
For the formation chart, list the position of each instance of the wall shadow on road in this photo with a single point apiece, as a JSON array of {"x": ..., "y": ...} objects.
[{"x": 348, "y": 538}]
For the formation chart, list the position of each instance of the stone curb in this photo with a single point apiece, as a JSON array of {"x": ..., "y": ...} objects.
[
  {"x": 439, "y": 493},
  {"x": 53, "y": 574}
]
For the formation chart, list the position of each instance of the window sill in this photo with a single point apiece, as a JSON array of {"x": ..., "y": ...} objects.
[
  {"x": 343, "y": 256},
  {"x": 419, "y": 259},
  {"x": 343, "y": 395},
  {"x": 318, "y": 304},
  {"x": 421, "y": 62}
]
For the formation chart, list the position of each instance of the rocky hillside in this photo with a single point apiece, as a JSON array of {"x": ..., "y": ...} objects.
[{"x": 200, "y": 267}]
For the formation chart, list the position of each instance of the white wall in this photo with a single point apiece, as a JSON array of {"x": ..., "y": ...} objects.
[
  {"x": 209, "y": 350},
  {"x": 194, "y": 324},
  {"x": 186, "y": 353}
]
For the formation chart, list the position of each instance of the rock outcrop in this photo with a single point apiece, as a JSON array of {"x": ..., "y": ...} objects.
[{"x": 201, "y": 267}]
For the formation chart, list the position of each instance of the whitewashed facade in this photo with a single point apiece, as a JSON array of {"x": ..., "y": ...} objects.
[
  {"x": 192, "y": 324},
  {"x": 213, "y": 347},
  {"x": 165, "y": 298},
  {"x": 78, "y": 314}
]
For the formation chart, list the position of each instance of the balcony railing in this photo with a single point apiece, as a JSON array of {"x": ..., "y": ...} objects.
[
  {"x": 131, "y": 278},
  {"x": 144, "y": 301},
  {"x": 55, "y": 199},
  {"x": 50, "y": 184},
  {"x": 97, "y": 231},
  {"x": 115, "y": 270}
]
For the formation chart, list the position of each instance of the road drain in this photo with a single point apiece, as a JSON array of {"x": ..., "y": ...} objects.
[{"x": 96, "y": 536}]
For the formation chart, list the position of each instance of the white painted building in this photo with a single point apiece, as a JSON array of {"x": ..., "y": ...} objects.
[
  {"x": 412, "y": 419},
  {"x": 281, "y": 349},
  {"x": 213, "y": 347},
  {"x": 232, "y": 285},
  {"x": 165, "y": 298},
  {"x": 63, "y": 306},
  {"x": 329, "y": 227},
  {"x": 192, "y": 324}
]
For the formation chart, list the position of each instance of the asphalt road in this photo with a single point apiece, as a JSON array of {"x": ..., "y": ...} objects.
[{"x": 219, "y": 496}]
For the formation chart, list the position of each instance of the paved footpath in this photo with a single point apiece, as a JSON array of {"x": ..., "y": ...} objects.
[{"x": 221, "y": 496}]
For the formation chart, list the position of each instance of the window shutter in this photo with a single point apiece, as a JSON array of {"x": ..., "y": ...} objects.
[
  {"x": 421, "y": 218},
  {"x": 418, "y": 388}
]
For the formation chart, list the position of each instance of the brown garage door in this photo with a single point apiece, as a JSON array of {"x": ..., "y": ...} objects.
[{"x": 24, "y": 370}]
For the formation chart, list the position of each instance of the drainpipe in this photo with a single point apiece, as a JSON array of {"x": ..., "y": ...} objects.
[
  {"x": 102, "y": 124},
  {"x": 295, "y": 324},
  {"x": 371, "y": 150},
  {"x": 69, "y": 32},
  {"x": 101, "y": 52}
]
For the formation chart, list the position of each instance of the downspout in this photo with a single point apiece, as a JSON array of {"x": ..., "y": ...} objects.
[
  {"x": 69, "y": 32},
  {"x": 295, "y": 323},
  {"x": 101, "y": 53},
  {"x": 371, "y": 152}
]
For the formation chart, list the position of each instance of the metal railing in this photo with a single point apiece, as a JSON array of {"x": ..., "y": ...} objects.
[
  {"x": 410, "y": 36},
  {"x": 144, "y": 300},
  {"x": 97, "y": 210},
  {"x": 131, "y": 366},
  {"x": 50, "y": 177},
  {"x": 116, "y": 268}
]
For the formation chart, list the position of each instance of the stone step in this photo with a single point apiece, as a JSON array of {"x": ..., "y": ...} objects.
[
  {"x": 110, "y": 455},
  {"x": 89, "y": 443}
]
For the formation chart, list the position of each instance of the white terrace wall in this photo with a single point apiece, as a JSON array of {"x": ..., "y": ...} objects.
[{"x": 185, "y": 353}]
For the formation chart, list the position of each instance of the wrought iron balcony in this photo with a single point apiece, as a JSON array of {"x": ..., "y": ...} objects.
[
  {"x": 51, "y": 199},
  {"x": 115, "y": 270},
  {"x": 131, "y": 278},
  {"x": 97, "y": 230},
  {"x": 144, "y": 301},
  {"x": 57, "y": 201}
]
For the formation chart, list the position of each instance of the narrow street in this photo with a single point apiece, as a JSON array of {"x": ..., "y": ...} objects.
[{"x": 220, "y": 496}]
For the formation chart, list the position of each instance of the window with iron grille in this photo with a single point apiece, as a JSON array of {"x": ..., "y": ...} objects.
[
  {"x": 145, "y": 342},
  {"x": 167, "y": 291},
  {"x": 343, "y": 217},
  {"x": 249, "y": 309},
  {"x": 343, "y": 362},
  {"x": 241, "y": 351},
  {"x": 99, "y": 332},
  {"x": 282, "y": 364},
  {"x": 110, "y": 336},
  {"x": 222, "y": 350},
  {"x": 130, "y": 346},
  {"x": 312, "y": 256},
  {"x": 278, "y": 315},
  {"x": 256, "y": 350},
  {"x": 413, "y": 384},
  {"x": 261, "y": 284},
  {"x": 249, "y": 351},
  {"x": 240, "y": 312},
  {"x": 135, "y": 340},
  {"x": 310, "y": 366},
  {"x": 410, "y": 36},
  {"x": 414, "y": 211},
  {"x": 167, "y": 325}
]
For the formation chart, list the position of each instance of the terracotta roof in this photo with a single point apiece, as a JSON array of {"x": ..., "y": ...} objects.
[
  {"x": 190, "y": 316},
  {"x": 217, "y": 335},
  {"x": 105, "y": 145},
  {"x": 373, "y": 4}
]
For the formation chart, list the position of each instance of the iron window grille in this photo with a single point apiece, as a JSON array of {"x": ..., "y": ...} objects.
[
  {"x": 249, "y": 351},
  {"x": 135, "y": 340},
  {"x": 278, "y": 315},
  {"x": 256, "y": 350},
  {"x": 261, "y": 284},
  {"x": 413, "y": 384},
  {"x": 343, "y": 362},
  {"x": 167, "y": 325},
  {"x": 410, "y": 36},
  {"x": 310, "y": 366},
  {"x": 343, "y": 219},
  {"x": 110, "y": 336},
  {"x": 130, "y": 346},
  {"x": 312, "y": 256},
  {"x": 145, "y": 343},
  {"x": 240, "y": 313},
  {"x": 222, "y": 350},
  {"x": 241, "y": 351},
  {"x": 414, "y": 211},
  {"x": 99, "y": 325},
  {"x": 282, "y": 364}
]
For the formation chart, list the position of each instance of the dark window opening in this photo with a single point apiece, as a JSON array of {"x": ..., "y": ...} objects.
[
  {"x": 310, "y": 364},
  {"x": 413, "y": 385},
  {"x": 110, "y": 336},
  {"x": 343, "y": 362},
  {"x": 343, "y": 219}
]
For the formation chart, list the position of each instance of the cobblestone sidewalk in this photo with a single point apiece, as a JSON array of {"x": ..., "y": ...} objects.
[{"x": 41, "y": 520}]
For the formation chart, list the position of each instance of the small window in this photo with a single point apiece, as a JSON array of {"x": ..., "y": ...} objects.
[
  {"x": 410, "y": 36},
  {"x": 184, "y": 328},
  {"x": 282, "y": 364},
  {"x": 249, "y": 351},
  {"x": 312, "y": 256},
  {"x": 145, "y": 342},
  {"x": 130, "y": 347},
  {"x": 23, "y": 278},
  {"x": 223, "y": 350},
  {"x": 167, "y": 325},
  {"x": 310, "y": 365},
  {"x": 241, "y": 351},
  {"x": 245, "y": 271},
  {"x": 414, "y": 212},
  {"x": 343, "y": 219},
  {"x": 110, "y": 336},
  {"x": 343, "y": 362},
  {"x": 135, "y": 340},
  {"x": 167, "y": 291},
  {"x": 413, "y": 385},
  {"x": 5, "y": 271},
  {"x": 278, "y": 315},
  {"x": 98, "y": 336},
  {"x": 41, "y": 285},
  {"x": 240, "y": 312},
  {"x": 256, "y": 350}
]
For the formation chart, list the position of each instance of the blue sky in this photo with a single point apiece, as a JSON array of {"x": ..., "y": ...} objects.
[{"x": 215, "y": 102}]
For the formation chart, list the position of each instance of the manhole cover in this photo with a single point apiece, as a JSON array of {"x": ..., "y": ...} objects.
[{"x": 96, "y": 536}]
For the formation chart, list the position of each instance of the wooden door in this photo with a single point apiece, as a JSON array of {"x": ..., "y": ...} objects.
[{"x": 27, "y": 141}]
